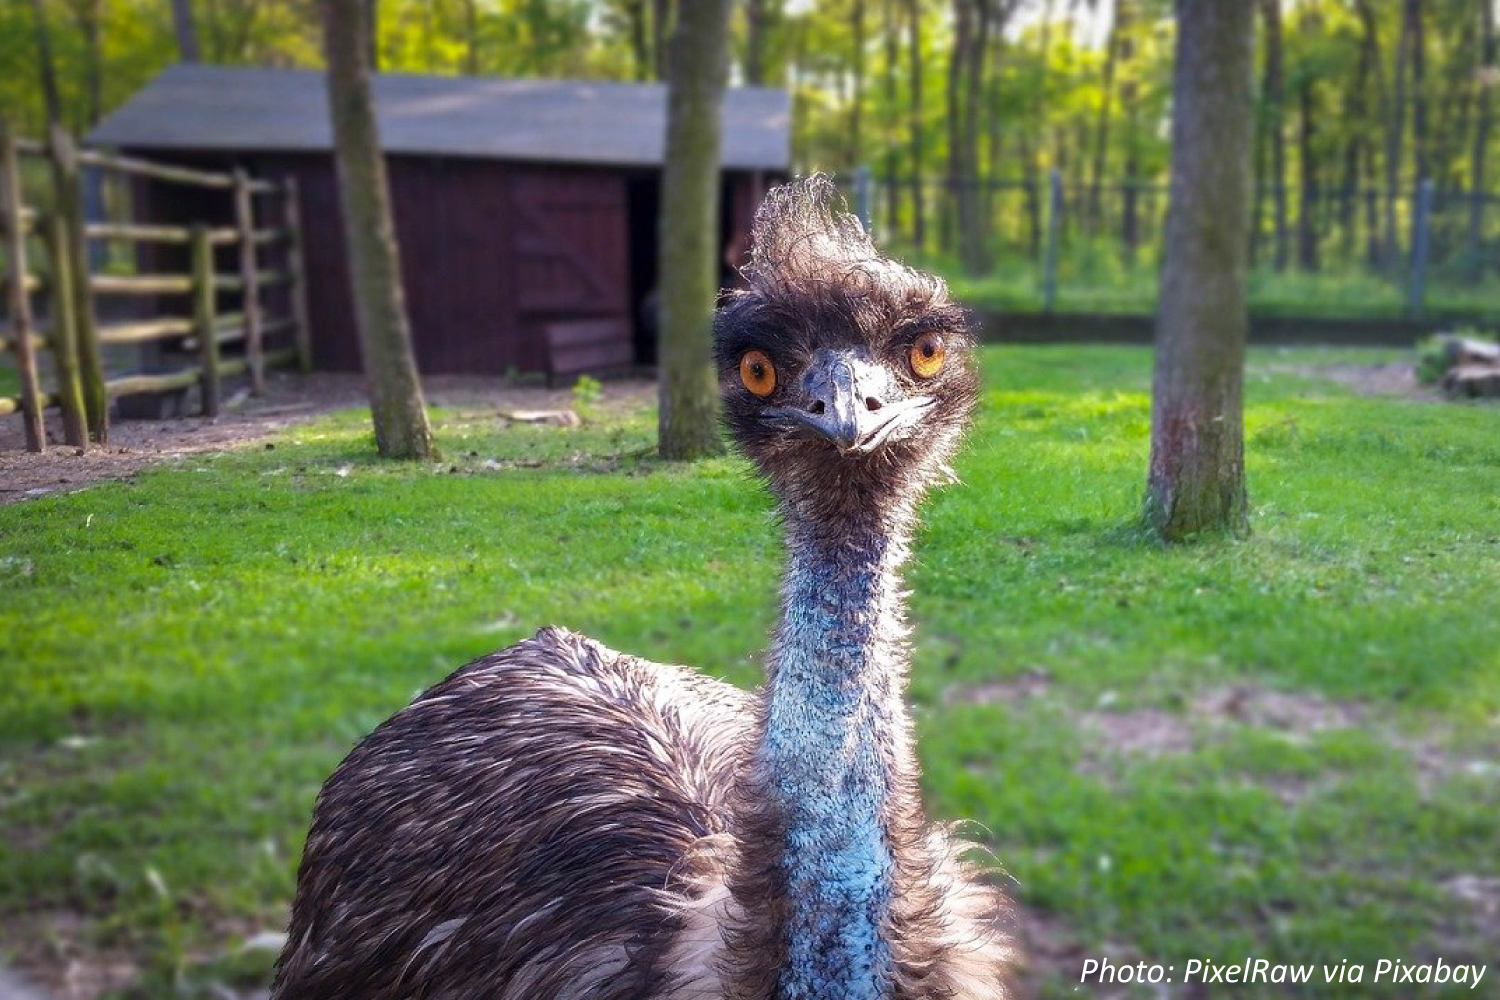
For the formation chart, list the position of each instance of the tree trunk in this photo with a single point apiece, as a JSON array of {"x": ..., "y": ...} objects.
[
  {"x": 857, "y": 99},
  {"x": 965, "y": 81},
  {"x": 918, "y": 210},
  {"x": 400, "y": 417},
  {"x": 1307, "y": 223},
  {"x": 1418, "y": 91},
  {"x": 1357, "y": 117},
  {"x": 755, "y": 42},
  {"x": 471, "y": 37},
  {"x": 51, "y": 101},
  {"x": 1196, "y": 482},
  {"x": 690, "y": 250},
  {"x": 1370, "y": 41},
  {"x": 1101, "y": 130},
  {"x": 1487, "y": 82},
  {"x": 1395, "y": 129},
  {"x": 371, "y": 34},
  {"x": 1031, "y": 146},
  {"x": 891, "y": 29},
  {"x": 87, "y": 13},
  {"x": 1274, "y": 89},
  {"x": 661, "y": 16},
  {"x": 963, "y": 28},
  {"x": 186, "y": 29}
]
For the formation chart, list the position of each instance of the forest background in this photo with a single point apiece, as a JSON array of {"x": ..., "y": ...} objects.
[{"x": 975, "y": 123}]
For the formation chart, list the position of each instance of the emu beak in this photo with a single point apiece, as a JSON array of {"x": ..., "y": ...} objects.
[{"x": 850, "y": 402}]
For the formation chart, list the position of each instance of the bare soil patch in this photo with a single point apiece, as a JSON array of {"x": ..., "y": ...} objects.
[
  {"x": 1151, "y": 731},
  {"x": 289, "y": 400},
  {"x": 1391, "y": 379}
]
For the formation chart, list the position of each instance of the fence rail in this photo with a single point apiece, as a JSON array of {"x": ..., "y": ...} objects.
[{"x": 73, "y": 335}]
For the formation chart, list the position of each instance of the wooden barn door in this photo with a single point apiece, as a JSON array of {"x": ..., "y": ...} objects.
[{"x": 572, "y": 270}]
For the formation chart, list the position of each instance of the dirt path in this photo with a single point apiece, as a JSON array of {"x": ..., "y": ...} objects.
[{"x": 289, "y": 400}]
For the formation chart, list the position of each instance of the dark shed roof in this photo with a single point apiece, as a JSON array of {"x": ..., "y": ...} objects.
[{"x": 286, "y": 110}]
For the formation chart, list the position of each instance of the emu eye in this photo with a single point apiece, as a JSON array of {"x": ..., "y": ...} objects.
[
  {"x": 757, "y": 373},
  {"x": 927, "y": 355}
]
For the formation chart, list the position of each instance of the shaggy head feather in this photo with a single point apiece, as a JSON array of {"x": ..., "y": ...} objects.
[{"x": 818, "y": 286}]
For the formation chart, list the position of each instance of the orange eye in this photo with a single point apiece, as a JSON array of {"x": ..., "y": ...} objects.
[
  {"x": 927, "y": 355},
  {"x": 758, "y": 374}
]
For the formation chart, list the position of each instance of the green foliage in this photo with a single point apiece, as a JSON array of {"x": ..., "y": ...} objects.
[
  {"x": 188, "y": 654},
  {"x": 586, "y": 393}
]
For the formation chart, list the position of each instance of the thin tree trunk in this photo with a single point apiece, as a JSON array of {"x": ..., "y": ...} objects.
[
  {"x": 1487, "y": 81},
  {"x": 1370, "y": 41},
  {"x": 45, "y": 66},
  {"x": 87, "y": 14},
  {"x": 1101, "y": 129},
  {"x": 471, "y": 37},
  {"x": 690, "y": 228},
  {"x": 1275, "y": 103},
  {"x": 857, "y": 99},
  {"x": 963, "y": 29},
  {"x": 396, "y": 404},
  {"x": 1418, "y": 91},
  {"x": 371, "y": 34},
  {"x": 661, "y": 16},
  {"x": 1356, "y": 115},
  {"x": 755, "y": 42},
  {"x": 891, "y": 30},
  {"x": 918, "y": 210},
  {"x": 1395, "y": 130},
  {"x": 1031, "y": 147},
  {"x": 186, "y": 29},
  {"x": 1196, "y": 482},
  {"x": 970, "y": 215},
  {"x": 1307, "y": 223}
]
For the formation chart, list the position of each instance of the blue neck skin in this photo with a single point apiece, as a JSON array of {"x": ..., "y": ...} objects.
[{"x": 835, "y": 729}]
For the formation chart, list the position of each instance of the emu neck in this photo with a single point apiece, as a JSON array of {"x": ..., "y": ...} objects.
[{"x": 835, "y": 737}]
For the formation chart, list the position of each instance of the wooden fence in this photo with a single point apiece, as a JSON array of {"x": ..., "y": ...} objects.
[{"x": 74, "y": 335}]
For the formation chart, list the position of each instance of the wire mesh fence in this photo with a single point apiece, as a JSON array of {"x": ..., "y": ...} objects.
[{"x": 1045, "y": 243}]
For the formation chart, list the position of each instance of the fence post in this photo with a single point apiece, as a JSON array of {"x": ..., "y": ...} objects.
[
  {"x": 1049, "y": 262},
  {"x": 203, "y": 319},
  {"x": 1421, "y": 231},
  {"x": 862, "y": 195},
  {"x": 297, "y": 267},
  {"x": 244, "y": 217},
  {"x": 66, "y": 179},
  {"x": 63, "y": 335},
  {"x": 13, "y": 228}
]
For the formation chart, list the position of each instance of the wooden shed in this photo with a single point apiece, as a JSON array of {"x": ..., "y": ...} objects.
[{"x": 526, "y": 210}]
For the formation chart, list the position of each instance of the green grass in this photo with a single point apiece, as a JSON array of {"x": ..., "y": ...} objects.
[{"x": 187, "y": 655}]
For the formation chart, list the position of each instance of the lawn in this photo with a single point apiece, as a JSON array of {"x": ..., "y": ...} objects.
[{"x": 1284, "y": 747}]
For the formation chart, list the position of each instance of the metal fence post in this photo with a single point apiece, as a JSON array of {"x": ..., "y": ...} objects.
[
  {"x": 1421, "y": 232},
  {"x": 862, "y": 195},
  {"x": 1054, "y": 219}
]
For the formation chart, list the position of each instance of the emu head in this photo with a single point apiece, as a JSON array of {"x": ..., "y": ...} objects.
[{"x": 847, "y": 377}]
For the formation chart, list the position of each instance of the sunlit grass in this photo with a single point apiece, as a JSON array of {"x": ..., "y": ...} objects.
[{"x": 188, "y": 655}]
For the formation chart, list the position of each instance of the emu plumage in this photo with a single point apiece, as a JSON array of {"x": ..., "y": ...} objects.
[{"x": 558, "y": 821}]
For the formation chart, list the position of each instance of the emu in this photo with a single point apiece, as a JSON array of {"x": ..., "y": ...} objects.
[{"x": 559, "y": 821}]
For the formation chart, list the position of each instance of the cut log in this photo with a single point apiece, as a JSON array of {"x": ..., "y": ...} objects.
[
  {"x": 1467, "y": 351},
  {"x": 546, "y": 418},
  {"x": 1473, "y": 381}
]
